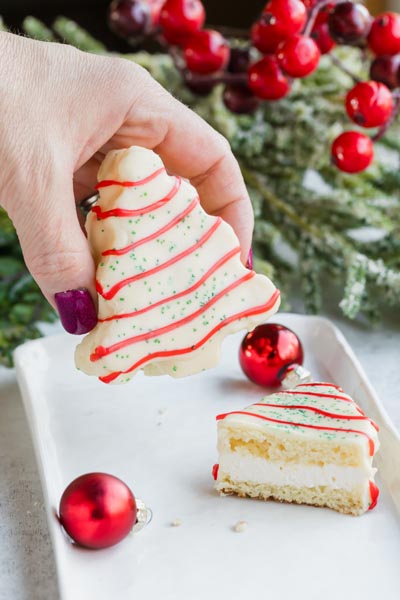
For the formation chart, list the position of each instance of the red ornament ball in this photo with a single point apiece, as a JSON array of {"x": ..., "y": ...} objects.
[
  {"x": 266, "y": 80},
  {"x": 369, "y": 104},
  {"x": 352, "y": 152},
  {"x": 97, "y": 510},
  {"x": 206, "y": 51},
  {"x": 384, "y": 37},
  {"x": 267, "y": 352},
  {"x": 298, "y": 56}
]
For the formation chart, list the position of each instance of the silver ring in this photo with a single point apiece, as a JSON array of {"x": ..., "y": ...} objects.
[
  {"x": 87, "y": 203},
  {"x": 144, "y": 516}
]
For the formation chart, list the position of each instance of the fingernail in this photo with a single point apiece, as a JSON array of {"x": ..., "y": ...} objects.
[
  {"x": 249, "y": 263},
  {"x": 77, "y": 311}
]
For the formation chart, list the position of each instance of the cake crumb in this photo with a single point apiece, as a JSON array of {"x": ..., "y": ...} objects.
[
  {"x": 240, "y": 526},
  {"x": 161, "y": 411},
  {"x": 176, "y": 523}
]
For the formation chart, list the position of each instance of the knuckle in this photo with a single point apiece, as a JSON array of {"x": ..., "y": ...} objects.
[
  {"x": 223, "y": 143},
  {"x": 58, "y": 265},
  {"x": 129, "y": 73}
]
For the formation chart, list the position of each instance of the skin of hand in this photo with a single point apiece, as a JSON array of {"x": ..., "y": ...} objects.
[{"x": 62, "y": 111}]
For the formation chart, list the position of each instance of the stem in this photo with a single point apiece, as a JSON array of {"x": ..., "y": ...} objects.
[
  {"x": 232, "y": 32},
  {"x": 395, "y": 111},
  {"x": 314, "y": 13},
  {"x": 338, "y": 63},
  {"x": 225, "y": 78}
]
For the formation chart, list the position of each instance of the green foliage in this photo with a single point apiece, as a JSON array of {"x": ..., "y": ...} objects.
[
  {"x": 21, "y": 302},
  {"x": 304, "y": 233}
]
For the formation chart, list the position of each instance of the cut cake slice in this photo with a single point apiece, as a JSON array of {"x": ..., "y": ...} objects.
[{"x": 310, "y": 445}]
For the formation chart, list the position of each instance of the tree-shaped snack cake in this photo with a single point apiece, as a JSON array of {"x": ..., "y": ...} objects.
[{"x": 169, "y": 277}]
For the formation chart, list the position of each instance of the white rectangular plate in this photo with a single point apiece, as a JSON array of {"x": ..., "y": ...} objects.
[{"x": 159, "y": 436}]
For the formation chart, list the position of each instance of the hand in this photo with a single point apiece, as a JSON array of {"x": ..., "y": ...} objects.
[{"x": 62, "y": 111}]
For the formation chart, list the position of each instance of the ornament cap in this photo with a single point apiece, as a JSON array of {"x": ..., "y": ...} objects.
[
  {"x": 143, "y": 516},
  {"x": 294, "y": 375}
]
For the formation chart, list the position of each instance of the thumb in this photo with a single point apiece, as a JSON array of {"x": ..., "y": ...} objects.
[{"x": 57, "y": 254}]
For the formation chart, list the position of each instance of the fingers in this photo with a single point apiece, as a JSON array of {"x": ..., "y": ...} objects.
[
  {"x": 191, "y": 148},
  {"x": 57, "y": 254}
]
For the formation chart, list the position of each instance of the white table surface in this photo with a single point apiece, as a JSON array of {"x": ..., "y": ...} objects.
[{"x": 27, "y": 569}]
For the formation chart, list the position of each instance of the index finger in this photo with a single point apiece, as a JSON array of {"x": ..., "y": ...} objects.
[{"x": 191, "y": 148}]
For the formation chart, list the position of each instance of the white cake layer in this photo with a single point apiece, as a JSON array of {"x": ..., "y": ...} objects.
[{"x": 241, "y": 466}]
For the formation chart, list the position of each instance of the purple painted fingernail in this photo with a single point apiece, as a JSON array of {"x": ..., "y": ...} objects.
[
  {"x": 77, "y": 311},
  {"x": 249, "y": 264}
]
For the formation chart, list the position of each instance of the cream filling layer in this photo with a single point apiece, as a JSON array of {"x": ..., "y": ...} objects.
[{"x": 241, "y": 466}]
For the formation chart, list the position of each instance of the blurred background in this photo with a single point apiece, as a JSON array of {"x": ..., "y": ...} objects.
[{"x": 91, "y": 14}]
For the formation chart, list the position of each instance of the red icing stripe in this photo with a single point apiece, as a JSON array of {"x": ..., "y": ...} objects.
[
  {"x": 374, "y": 493},
  {"x": 101, "y": 351},
  {"x": 152, "y": 236},
  {"x": 318, "y": 395},
  {"x": 108, "y": 182},
  {"x": 125, "y": 212},
  {"x": 306, "y": 425},
  {"x": 320, "y": 412},
  {"x": 214, "y": 471},
  {"x": 189, "y": 290},
  {"x": 168, "y": 353},
  {"x": 118, "y": 286}
]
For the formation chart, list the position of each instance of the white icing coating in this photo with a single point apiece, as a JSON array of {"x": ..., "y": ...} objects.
[
  {"x": 179, "y": 266},
  {"x": 359, "y": 430}
]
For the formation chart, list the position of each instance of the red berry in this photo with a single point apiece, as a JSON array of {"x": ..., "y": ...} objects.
[
  {"x": 369, "y": 104},
  {"x": 298, "y": 56},
  {"x": 349, "y": 23},
  {"x": 239, "y": 99},
  {"x": 323, "y": 13},
  {"x": 384, "y": 37},
  {"x": 130, "y": 18},
  {"x": 206, "y": 51},
  {"x": 321, "y": 36},
  {"x": 280, "y": 20},
  {"x": 266, "y": 80},
  {"x": 264, "y": 35},
  {"x": 97, "y": 510},
  {"x": 309, "y": 4},
  {"x": 199, "y": 85},
  {"x": 155, "y": 10},
  {"x": 289, "y": 16},
  {"x": 352, "y": 152},
  {"x": 385, "y": 69},
  {"x": 239, "y": 60},
  {"x": 181, "y": 18}
]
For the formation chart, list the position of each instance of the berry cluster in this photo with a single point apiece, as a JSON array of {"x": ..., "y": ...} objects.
[{"x": 285, "y": 43}]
